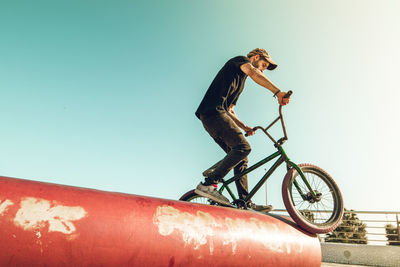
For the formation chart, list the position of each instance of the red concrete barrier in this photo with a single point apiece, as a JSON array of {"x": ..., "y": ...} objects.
[{"x": 44, "y": 224}]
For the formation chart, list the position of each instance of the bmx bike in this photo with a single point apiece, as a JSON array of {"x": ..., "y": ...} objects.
[{"x": 311, "y": 196}]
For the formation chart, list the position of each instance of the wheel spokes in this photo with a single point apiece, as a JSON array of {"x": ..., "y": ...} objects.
[{"x": 315, "y": 210}]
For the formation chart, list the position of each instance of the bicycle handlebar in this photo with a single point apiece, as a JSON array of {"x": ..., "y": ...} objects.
[{"x": 288, "y": 94}]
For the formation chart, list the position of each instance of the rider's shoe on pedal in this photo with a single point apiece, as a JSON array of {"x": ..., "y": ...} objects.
[
  {"x": 261, "y": 208},
  {"x": 211, "y": 192}
]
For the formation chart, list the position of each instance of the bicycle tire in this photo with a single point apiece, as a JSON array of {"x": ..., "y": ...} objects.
[
  {"x": 307, "y": 218},
  {"x": 191, "y": 196}
]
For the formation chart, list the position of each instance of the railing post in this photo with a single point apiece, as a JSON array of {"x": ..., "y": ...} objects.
[{"x": 398, "y": 228}]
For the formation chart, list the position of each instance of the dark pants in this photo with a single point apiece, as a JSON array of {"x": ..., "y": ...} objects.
[{"x": 228, "y": 136}]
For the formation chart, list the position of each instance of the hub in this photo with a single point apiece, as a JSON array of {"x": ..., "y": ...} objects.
[{"x": 312, "y": 199}]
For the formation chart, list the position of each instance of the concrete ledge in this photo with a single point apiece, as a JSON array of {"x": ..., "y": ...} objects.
[{"x": 361, "y": 254}]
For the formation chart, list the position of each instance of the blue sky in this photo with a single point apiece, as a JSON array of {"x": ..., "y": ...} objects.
[{"x": 102, "y": 94}]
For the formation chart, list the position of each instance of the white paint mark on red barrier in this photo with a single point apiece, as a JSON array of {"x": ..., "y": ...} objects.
[
  {"x": 194, "y": 229},
  {"x": 199, "y": 230},
  {"x": 36, "y": 213},
  {"x": 4, "y": 206}
]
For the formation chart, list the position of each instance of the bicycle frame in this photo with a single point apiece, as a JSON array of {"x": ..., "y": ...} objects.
[
  {"x": 283, "y": 158},
  {"x": 280, "y": 160}
]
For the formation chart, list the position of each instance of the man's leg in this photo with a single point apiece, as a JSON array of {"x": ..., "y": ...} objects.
[
  {"x": 242, "y": 188},
  {"x": 228, "y": 135},
  {"x": 241, "y": 184}
]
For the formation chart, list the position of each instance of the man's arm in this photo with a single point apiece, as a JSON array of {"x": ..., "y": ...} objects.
[
  {"x": 249, "y": 131},
  {"x": 259, "y": 77}
]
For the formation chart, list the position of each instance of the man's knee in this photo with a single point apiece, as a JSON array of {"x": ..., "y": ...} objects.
[
  {"x": 244, "y": 149},
  {"x": 247, "y": 148}
]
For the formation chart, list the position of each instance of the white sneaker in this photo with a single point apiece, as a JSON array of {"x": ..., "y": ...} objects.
[
  {"x": 262, "y": 208},
  {"x": 209, "y": 191}
]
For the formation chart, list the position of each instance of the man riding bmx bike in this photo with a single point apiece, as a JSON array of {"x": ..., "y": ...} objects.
[{"x": 216, "y": 112}]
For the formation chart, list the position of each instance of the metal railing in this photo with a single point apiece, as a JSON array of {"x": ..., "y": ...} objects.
[{"x": 375, "y": 226}]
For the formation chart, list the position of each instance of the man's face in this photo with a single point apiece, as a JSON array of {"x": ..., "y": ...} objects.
[{"x": 261, "y": 64}]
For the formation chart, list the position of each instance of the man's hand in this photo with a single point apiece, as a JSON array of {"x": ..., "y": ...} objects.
[
  {"x": 283, "y": 101},
  {"x": 249, "y": 131}
]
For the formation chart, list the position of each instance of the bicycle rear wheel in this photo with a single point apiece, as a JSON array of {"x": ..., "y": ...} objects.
[
  {"x": 321, "y": 214},
  {"x": 191, "y": 196}
]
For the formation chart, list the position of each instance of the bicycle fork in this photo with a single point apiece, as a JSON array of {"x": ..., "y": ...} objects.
[
  {"x": 312, "y": 196},
  {"x": 290, "y": 164}
]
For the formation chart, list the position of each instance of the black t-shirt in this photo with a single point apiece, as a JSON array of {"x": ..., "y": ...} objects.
[{"x": 225, "y": 88}]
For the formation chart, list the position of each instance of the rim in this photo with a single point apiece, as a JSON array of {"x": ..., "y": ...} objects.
[
  {"x": 200, "y": 200},
  {"x": 322, "y": 212}
]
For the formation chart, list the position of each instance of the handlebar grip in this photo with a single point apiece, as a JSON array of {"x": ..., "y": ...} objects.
[
  {"x": 288, "y": 94},
  {"x": 253, "y": 130}
]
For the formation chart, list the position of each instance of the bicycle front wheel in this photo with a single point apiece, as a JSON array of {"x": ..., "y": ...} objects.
[{"x": 317, "y": 212}]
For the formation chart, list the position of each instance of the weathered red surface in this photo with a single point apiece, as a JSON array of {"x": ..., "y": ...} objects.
[{"x": 44, "y": 224}]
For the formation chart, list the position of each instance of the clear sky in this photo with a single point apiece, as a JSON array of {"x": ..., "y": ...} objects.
[{"x": 102, "y": 94}]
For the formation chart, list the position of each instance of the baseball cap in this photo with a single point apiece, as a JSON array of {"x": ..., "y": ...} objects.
[{"x": 264, "y": 54}]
